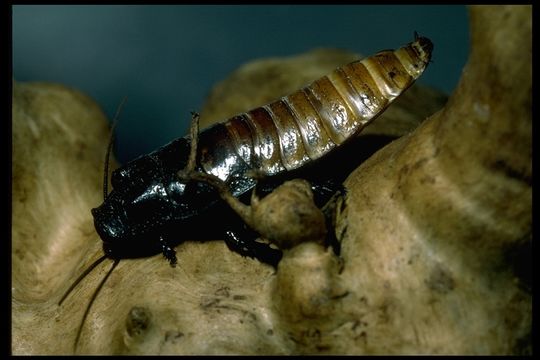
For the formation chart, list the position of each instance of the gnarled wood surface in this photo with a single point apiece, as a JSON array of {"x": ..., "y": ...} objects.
[{"x": 429, "y": 228}]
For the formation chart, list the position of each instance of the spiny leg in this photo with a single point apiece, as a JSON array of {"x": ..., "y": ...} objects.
[
  {"x": 168, "y": 252},
  {"x": 166, "y": 249},
  {"x": 331, "y": 207},
  {"x": 242, "y": 241}
]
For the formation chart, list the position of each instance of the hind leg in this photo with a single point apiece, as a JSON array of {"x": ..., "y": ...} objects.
[{"x": 243, "y": 241}]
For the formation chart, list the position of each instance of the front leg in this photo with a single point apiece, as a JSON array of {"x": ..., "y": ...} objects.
[{"x": 168, "y": 252}]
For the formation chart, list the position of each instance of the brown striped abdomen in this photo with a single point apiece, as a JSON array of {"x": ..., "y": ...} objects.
[{"x": 307, "y": 124}]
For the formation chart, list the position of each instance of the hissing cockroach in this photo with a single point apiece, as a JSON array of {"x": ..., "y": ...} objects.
[{"x": 151, "y": 208}]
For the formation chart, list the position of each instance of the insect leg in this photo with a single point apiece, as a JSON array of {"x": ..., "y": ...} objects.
[
  {"x": 324, "y": 190},
  {"x": 168, "y": 252},
  {"x": 335, "y": 204},
  {"x": 242, "y": 241}
]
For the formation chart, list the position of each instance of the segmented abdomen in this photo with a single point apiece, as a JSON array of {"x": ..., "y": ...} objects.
[{"x": 307, "y": 124}]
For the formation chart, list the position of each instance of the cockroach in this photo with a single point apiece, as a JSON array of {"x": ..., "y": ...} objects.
[{"x": 151, "y": 209}]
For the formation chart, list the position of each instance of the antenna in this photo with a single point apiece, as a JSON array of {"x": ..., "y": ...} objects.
[
  {"x": 94, "y": 296},
  {"x": 109, "y": 148},
  {"x": 82, "y": 276}
]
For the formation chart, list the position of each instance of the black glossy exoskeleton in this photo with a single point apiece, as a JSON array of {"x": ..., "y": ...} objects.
[{"x": 150, "y": 209}]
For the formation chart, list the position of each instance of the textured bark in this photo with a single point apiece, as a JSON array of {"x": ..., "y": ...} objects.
[{"x": 430, "y": 227}]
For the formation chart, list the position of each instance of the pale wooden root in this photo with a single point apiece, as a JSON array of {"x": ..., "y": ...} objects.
[{"x": 424, "y": 229}]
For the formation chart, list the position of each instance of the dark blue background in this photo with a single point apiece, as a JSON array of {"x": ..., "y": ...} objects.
[{"x": 166, "y": 58}]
